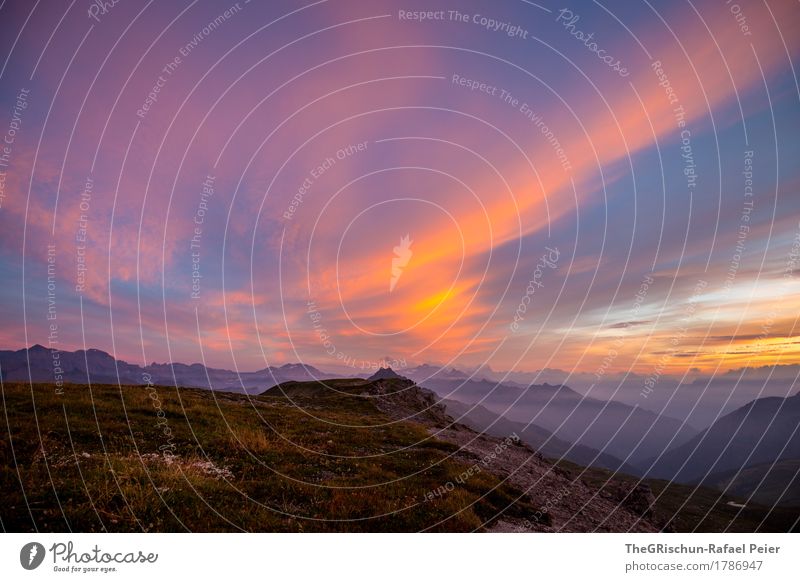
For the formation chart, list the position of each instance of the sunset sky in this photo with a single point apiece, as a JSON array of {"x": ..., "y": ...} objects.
[{"x": 243, "y": 173}]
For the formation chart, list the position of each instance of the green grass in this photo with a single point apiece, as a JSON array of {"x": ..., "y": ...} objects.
[{"x": 93, "y": 460}]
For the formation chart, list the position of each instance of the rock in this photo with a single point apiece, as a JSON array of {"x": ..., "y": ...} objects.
[{"x": 640, "y": 500}]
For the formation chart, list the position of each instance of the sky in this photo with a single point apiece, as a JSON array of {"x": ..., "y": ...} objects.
[{"x": 596, "y": 187}]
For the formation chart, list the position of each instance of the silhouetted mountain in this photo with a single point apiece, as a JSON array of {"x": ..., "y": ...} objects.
[
  {"x": 630, "y": 433},
  {"x": 38, "y": 364},
  {"x": 384, "y": 374},
  {"x": 762, "y": 431},
  {"x": 41, "y": 364}
]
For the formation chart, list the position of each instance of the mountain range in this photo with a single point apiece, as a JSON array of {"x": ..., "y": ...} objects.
[
  {"x": 750, "y": 451},
  {"x": 36, "y": 364},
  {"x": 338, "y": 455},
  {"x": 484, "y": 420},
  {"x": 630, "y": 433},
  {"x": 762, "y": 432}
]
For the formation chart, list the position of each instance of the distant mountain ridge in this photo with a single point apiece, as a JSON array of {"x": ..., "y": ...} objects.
[
  {"x": 619, "y": 430},
  {"x": 622, "y": 435},
  {"x": 626, "y": 432},
  {"x": 484, "y": 420},
  {"x": 732, "y": 454},
  {"x": 100, "y": 367}
]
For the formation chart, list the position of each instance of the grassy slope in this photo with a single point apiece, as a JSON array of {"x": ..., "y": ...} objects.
[
  {"x": 261, "y": 464},
  {"x": 239, "y": 464},
  {"x": 687, "y": 508},
  {"x": 767, "y": 483}
]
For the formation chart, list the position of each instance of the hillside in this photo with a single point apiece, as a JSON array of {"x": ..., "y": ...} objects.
[
  {"x": 759, "y": 432},
  {"x": 163, "y": 459},
  {"x": 692, "y": 508},
  {"x": 571, "y": 505},
  {"x": 766, "y": 483},
  {"x": 346, "y": 455}
]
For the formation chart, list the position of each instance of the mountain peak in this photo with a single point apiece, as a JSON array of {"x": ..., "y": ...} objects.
[
  {"x": 384, "y": 374},
  {"x": 291, "y": 366}
]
